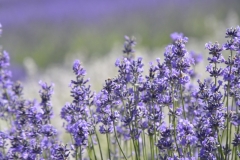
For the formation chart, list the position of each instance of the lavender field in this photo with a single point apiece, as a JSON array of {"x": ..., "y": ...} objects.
[{"x": 76, "y": 85}]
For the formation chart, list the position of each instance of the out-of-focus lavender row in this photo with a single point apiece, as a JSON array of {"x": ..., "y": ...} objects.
[{"x": 47, "y": 30}]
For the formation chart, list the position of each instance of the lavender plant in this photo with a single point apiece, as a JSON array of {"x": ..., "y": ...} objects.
[{"x": 163, "y": 115}]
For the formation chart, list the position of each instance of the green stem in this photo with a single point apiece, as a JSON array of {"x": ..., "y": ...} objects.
[
  {"x": 215, "y": 77},
  {"x": 152, "y": 150},
  {"x": 220, "y": 150},
  {"x": 233, "y": 153},
  {"x": 76, "y": 154},
  {"x": 230, "y": 138},
  {"x": 119, "y": 143},
  {"x": 184, "y": 113},
  {"x": 93, "y": 148},
  {"x": 99, "y": 145},
  {"x": 89, "y": 152},
  {"x": 144, "y": 146},
  {"x": 228, "y": 88},
  {"x": 135, "y": 148},
  {"x": 131, "y": 150},
  {"x": 174, "y": 126},
  {"x": 109, "y": 152}
]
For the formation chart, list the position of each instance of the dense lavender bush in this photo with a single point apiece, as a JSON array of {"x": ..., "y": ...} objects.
[{"x": 163, "y": 115}]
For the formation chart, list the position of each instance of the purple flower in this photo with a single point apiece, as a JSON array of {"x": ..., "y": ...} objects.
[
  {"x": 236, "y": 119},
  {"x": 236, "y": 140},
  {"x": 78, "y": 69},
  {"x": 34, "y": 150},
  {"x": 48, "y": 130},
  {"x": 80, "y": 133},
  {"x": 128, "y": 46},
  {"x": 59, "y": 152},
  {"x": 3, "y": 138},
  {"x": 214, "y": 48},
  {"x": 106, "y": 129},
  {"x": 231, "y": 44},
  {"x": 185, "y": 133},
  {"x": 17, "y": 88},
  {"x": 233, "y": 32},
  {"x": 106, "y": 103},
  {"x": 214, "y": 72},
  {"x": 209, "y": 145},
  {"x": 4, "y": 60},
  {"x": 197, "y": 58},
  {"x": 45, "y": 94},
  {"x": 174, "y": 36}
]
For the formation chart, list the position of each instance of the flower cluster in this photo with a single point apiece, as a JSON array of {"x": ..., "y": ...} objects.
[
  {"x": 30, "y": 134},
  {"x": 163, "y": 115}
]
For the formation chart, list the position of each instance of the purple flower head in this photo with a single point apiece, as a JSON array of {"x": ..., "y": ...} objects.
[
  {"x": 215, "y": 50},
  {"x": 6, "y": 83},
  {"x": 165, "y": 130},
  {"x": 229, "y": 62},
  {"x": 178, "y": 48},
  {"x": 183, "y": 79},
  {"x": 236, "y": 119},
  {"x": 78, "y": 69},
  {"x": 166, "y": 141},
  {"x": 80, "y": 133},
  {"x": 186, "y": 133},
  {"x": 227, "y": 75},
  {"x": 174, "y": 36},
  {"x": 135, "y": 133},
  {"x": 214, "y": 72},
  {"x": 106, "y": 129},
  {"x": 209, "y": 145},
  {"x": 215, "y": 59},
  {"x": 34, "y": 150},
  {"x": 168, "y": 55},
  {"x": 45, "y": 94},
  {"x": 77, "y": 113},
  {"x": 182, "y": 64},
  {"x": 4, "y": 60},
  {"x": 48, "y": 130},
  {"x": 130, "y": 70},
  {"x": 59, "y": 152},
  {"x": 233, "y": 32},
  {"x": 35, "y": 117},
  {"x": 179, "y": 39},
  {"x": 232, "y": 45},
  {"x": 118, "y": 62},
  {"x": 3, "y": 139},
  {"x": 17, "y": 88},
  {"x": 236, "y": 41},
  {"x": 129, "y": 44},
  {"x": 46, "y": 143},
  {"x": 236, "y": 140},
  {"x": 217, "y": 120},
  {"x": 196, "y": 58}
]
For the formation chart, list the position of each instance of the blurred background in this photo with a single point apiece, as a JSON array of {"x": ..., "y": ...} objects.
[
  {"x": 43, "y": 37},
  {"x": 48, "y": 30}
]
